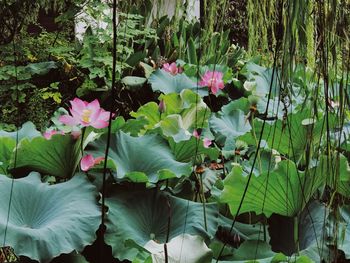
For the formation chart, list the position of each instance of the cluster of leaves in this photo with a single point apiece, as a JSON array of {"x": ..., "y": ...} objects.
[
  {"x": 48, "y": 69},
  {"x": 165, "y": 186},
  {"x": 277, "y": 145}
]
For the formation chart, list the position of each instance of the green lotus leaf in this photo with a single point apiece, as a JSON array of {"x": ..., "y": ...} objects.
[
  {"x": 8, "y": 143},
  {"x": 240, "y": 104},
  {"x": 148, "y": 70},
  {"x": 183, "y": 248},
  {"x": 253, "y": 251},
  {"x": 344, "y": 231},
  {"x": 185, "y": 151},
  {"x": 27, "y": 130},
  {"x": 133, "y": 83},
  {"x": 290, "y": 136},
  {"x": 6, "y": 148},
  {"x": 166, "y": 83},
  {"x": 230, "y": 125},
  {"x": 146, "y": 158},
  {"x": 275, "y": 107},
  {"x": 143, "y": 216},
  {"x": 46, "y": 221},
  {"x": 283, "y": 191},
  {"x": 58, "y": 156},
  {"x": 135, "y": 127},
  {"x": 263, "y": 78},
  {"x": 209, "y": 178},
  {"x": 172, "y": 126},
  {"x": 183, "y": 112},
  {"x": 148, "y": 112},
  {"x": 338, "y": 170},
  {"x": 313, "y": 232}
]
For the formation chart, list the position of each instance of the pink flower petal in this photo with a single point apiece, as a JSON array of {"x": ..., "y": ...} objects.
[
  {"x": 78, "y": 105},
  {"x": 104, "y": 115},
  {"x": 100, "y": 124},
  {"x": 213, "y": 80},
  {"x": 195, "y": 134},
  {"x": 75, "y": 134},
  {"x": 206, "y": 142},
  {"x": 47, "y": 135},
  {"x": 171, "y": 68},
  {"x": 214, "y": 89},
  {"x": 94, "y": 105},
  {"x": 95, "y": 115},
  {"x": 68, "y": 120},
  {"x": 87, "y": 162},
  {"x": 86, "y": 114}
]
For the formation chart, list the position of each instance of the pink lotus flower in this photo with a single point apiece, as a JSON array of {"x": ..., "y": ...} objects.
[
  {"x": 86, "y": 114},
  {"x": 195, "y": 134},
  {"x": 172, "y": 68},
  {"x": 206, "y": 142},
  {"x": 48, "y": 134},
  {"x": 88, "y": 161},
  {"x": 212, "y": 80}
]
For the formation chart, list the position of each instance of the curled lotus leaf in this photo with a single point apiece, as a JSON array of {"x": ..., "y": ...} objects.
[{"x": 146, "y": 158}]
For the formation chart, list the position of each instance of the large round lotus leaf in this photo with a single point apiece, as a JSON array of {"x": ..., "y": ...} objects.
[
  {"x": 337, "y": 168},
  {"x": 58, "y": 156},
  {"x": 290, "y": 137},
  {"x": 143, "y": 216},
  {"x": 229, "y": 125},
  {"x": 46, "y": 221},
  {"x": 263, "y": 79},
  {"x": 27, "y": 130},
  {"x": 240, "y": 104},
  {"x": 165, "y": 82},
  {"x": 141, "y": 159},
  {"x": 183, "y": 248},
  {"x": 284, "y": 190}
]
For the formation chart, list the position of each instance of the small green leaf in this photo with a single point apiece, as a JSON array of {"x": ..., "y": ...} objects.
[{"x": 134, "y": 83}]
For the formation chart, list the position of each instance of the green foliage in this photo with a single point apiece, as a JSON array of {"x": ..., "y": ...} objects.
[
  {"x": 143, "y": 216},
  {"x": 58, "y": 156},
  {"x": 187, "y": 146},
  {"x": 61, "y": 219},
  {"x": 135, "y": 159},
  {"x": 95, "y": 55},
  {"x": 166, "y": 83},
  {"x": 270, "y": 191}
]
